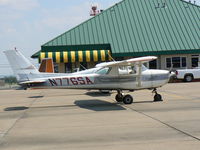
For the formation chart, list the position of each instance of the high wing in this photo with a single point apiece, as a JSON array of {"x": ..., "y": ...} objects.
[{"x": 127, "y": 62}]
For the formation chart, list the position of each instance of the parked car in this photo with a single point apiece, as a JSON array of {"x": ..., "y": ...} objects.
[{"x": 188, "y": 74}]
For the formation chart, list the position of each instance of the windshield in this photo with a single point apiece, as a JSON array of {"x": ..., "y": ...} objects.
[
  {"x": 103, "y": 71},
  {"x": 87, "y": 71},
  {"x": 144, "y": 68}
]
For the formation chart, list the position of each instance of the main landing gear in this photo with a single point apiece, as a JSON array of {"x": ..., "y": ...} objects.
[
  {"x": 157, "y": 97},
  {"x": 126, "y": 99}
]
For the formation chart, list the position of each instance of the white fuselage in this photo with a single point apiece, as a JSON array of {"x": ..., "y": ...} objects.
[
  {"x": 147, "y": 79},
  {"x": 128, "y": 74}
]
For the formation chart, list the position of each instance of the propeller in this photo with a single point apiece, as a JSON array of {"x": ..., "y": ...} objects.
[
  {"x": 171, "y": 68},
  {"x": 172, "y": 74}
]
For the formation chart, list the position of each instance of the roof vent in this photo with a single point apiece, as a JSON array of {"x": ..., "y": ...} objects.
[{"x": 161, "y": 4}]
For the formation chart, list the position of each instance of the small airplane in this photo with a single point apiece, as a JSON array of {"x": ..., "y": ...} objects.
[{"x": 128, "y": 74}]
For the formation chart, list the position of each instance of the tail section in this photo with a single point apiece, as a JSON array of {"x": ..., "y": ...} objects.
[{"x": 20, "y": 65}]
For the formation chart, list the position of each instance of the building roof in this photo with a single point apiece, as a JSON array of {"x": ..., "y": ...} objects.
[{"x": 138, "y": 27}]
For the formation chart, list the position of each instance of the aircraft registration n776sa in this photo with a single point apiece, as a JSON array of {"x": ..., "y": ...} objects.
[{"x": 129, "y": 74}]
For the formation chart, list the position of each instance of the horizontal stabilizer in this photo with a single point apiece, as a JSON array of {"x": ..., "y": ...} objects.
[{"x": 33, "y": 81}]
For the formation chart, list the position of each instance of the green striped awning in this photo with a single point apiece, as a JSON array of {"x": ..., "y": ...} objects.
[{"x": 77, "y": 56}]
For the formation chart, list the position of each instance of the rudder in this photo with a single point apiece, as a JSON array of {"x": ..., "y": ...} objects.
[{"x": 20, "y": 65}]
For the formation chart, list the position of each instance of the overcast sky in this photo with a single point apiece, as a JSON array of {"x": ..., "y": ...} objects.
[{"x": 27, "y": 24}]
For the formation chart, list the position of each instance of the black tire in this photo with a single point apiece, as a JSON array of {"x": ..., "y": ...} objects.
[
  {"x": 188, "y": 78},
  {"x": 127, "y": 99},
  {"x": 119, "y": 98},
  {"x": 158, "y": 98}
]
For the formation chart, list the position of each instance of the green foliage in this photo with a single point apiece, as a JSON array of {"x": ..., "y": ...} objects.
[{"x": 10, "y": 80}]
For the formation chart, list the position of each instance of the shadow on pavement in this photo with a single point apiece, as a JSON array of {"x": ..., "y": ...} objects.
[
  {"x": 42, "y": 107},
  {"x": 98, "y": 105},
  {"x": 143, "y": 102},
  {"x": 16, "y": 108},
  {"x": 95, "y": 105},
  {"x": 36, "y": 97},
  {"x": 97, "y": 94}
]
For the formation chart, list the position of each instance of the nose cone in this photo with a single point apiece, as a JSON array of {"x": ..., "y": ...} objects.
[{"x": 172, "y": 74}]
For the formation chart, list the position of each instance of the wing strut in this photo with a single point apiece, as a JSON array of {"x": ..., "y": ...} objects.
[{"x": 139, "y": 74}]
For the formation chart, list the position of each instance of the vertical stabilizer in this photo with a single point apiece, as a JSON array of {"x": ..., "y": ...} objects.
[{"x": 20, "y": 65}]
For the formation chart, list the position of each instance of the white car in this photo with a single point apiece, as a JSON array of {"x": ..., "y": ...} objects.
[{"x": 188, "y": 74}]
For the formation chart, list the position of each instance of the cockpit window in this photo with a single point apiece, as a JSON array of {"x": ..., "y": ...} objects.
[
  {"x": 103, "y": 71},
  {"x": 144, "y": 68},
  {"x": 125, "y": 70}
]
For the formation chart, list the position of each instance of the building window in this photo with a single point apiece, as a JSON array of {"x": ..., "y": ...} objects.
[
  {"x": 153, "y": 64},
  {"x": 168, "y": 62},
  {"x": 56, "y": 68},
  {"x": 184, "y": 64},
  {"x": 68, "y": 67},
  {"x": 195, "y": 61},
  {"x": 176, "y": 62},
  {"x": 83, "y": 66}
]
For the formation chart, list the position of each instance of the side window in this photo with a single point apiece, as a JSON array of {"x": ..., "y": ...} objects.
[{"x": 125, "y": 70}]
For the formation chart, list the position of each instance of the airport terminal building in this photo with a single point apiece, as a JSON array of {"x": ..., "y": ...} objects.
[{"x": 168, "y": 29}]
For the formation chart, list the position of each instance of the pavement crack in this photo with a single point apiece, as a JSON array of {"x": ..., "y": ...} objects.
[
  {"x": 17, "y": 120},
  {"x": 164, "y": 123}
]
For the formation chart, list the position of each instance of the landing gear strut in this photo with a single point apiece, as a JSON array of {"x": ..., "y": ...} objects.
[
  {"x": 126, "y": 99},
  {"x": 119, "y": 96},
  {"x": 157, "y": 97}
]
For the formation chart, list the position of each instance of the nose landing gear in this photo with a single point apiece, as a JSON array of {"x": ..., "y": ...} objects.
[{"x": 157, "y": 97}]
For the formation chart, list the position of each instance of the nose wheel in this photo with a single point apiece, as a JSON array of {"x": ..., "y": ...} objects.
[
  {"x": 126, "y": 99},
  {"x": 157, "y": 97}
]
